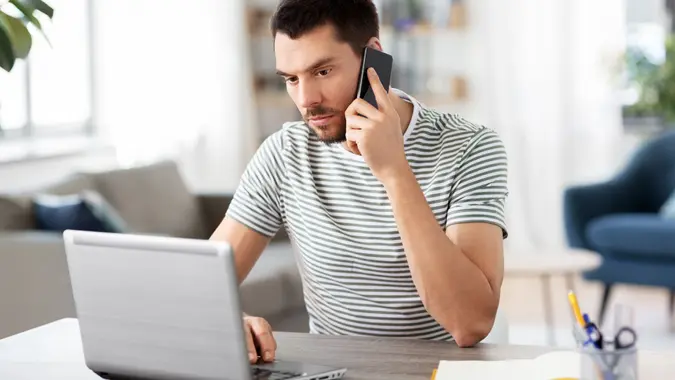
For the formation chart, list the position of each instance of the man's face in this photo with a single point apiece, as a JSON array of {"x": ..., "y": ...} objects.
[{"x": 321, "y": 77}]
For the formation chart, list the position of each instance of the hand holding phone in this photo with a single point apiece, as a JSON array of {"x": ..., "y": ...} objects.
[
  {"x": 373, "y": 124},
  {"x": 383, "y": 64}
]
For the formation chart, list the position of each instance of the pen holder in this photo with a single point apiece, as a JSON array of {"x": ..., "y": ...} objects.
[{"x": 621, "y": 364}]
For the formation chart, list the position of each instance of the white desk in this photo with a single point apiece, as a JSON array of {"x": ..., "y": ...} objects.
[
  {"x": 544, "y": 265},
  {"x": 54, "y": 352}
]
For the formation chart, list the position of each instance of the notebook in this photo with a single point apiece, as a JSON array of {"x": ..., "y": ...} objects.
[{"x": 554, "y": 365}]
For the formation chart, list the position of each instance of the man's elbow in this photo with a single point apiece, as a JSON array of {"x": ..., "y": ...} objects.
[{"x": 473, "y": 332}]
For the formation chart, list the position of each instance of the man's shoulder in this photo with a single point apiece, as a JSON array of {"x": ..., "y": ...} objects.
[
  {"x": 289, "y": 132},
  {"x": 452, "y": 127},
  {"x": 293, "y": 127},
  {"x": 448, "y": 122},
  {"x": 292, "y": 133}
]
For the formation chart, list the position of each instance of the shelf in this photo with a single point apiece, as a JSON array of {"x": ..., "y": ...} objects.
[
  {"x": 282, "y": 99},
  {"x": 260, "y": 34},
  {"x": 438, "y": 100},
  {"x": 421, "y": 31},
  {"x": 271, "y": 98}
]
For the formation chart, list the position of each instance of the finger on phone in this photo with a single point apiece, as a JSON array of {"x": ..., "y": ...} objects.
[
  {"x": 356, "y": 122},
  {"x": 354, "y": 135},
  {"x": 252, "y": 353},
  {"x": 360, "y": 107},
  {"x": 378, "y": 89}
]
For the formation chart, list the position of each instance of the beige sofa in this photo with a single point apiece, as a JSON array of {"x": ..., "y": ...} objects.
[{"x": 34, "y": 281}]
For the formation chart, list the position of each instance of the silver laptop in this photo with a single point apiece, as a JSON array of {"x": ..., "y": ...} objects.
[{"x": 162, "y": 308}]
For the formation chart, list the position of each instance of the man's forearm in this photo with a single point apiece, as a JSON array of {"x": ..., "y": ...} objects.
[{"x": 453, "y": 289}]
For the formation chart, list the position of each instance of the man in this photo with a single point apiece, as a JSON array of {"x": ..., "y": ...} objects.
[{"x": 397, "y": 211}]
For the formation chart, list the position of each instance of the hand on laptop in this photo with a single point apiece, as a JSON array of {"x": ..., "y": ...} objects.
[{"x": 261, "y": 342}]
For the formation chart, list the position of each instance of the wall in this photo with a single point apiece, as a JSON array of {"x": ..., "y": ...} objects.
[
  {"x": 34, "y": 174},
  {"x": 639, "y": 11},
  {"x": 175, "y": 80},
  {"x": 171, "y": 81}
]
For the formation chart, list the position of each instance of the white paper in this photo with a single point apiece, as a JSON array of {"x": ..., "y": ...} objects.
[{"x": 559, "y": 364}]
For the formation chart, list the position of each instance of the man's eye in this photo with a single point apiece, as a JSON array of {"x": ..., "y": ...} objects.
[
  {"x": 323, "y": 73},
  {"x": 291, "y": 80}
]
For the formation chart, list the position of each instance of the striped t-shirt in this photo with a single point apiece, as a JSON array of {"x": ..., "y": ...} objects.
[{"x": 355, "y": 274}]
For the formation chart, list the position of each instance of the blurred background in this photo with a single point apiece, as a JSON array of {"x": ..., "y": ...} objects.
[{"x": 577, "y": 89}]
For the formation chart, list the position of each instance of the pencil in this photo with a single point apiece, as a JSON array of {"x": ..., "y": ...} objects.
[{"x": 575, "y": 308}]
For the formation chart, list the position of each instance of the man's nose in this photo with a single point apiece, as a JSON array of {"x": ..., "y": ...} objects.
[{"x": 308, "y": 95}]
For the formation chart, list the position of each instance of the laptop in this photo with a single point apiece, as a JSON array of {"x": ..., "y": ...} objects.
[{"x": 164, "y": 308}]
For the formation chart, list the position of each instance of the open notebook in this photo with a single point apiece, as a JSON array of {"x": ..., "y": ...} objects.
[{"x": 554, "y": 365}]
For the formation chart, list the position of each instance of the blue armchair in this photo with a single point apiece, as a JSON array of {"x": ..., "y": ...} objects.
[{"x": 620, "y": 220}]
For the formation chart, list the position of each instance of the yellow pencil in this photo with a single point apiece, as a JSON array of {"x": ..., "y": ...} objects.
[{"x": 575, "y": 308}]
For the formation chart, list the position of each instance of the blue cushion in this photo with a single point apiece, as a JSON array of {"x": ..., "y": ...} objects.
[
  {"x": 668, "y": 208},
  {"x": 643, "y": 235},
  {"x": 87, "y": 211}
]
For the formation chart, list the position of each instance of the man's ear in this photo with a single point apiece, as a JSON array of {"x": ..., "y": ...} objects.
[{"x": 374, "y": 43}]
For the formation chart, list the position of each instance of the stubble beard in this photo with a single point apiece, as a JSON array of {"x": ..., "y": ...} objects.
[{"x": 323, "y": 132}]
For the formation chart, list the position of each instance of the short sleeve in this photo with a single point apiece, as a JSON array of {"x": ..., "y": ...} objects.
[
  {"x": 257, "y": 200},
  {"x": 480, "y": 189}
]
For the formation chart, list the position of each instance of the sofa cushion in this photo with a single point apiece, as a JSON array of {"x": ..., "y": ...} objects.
[
  {"x": 636, "y": 235},
  {"x": 152, "y": 199},
  {"x": 274, "y": 286},
  {"x": 73, "y": 184},
  {"x": 16, "y": 213},
  {"x": 87, "y": 211},
  {"x": 668, "y": 208}
]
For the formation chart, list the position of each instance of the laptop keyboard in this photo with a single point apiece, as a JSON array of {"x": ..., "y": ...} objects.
[{"x": 266, "y": 374}]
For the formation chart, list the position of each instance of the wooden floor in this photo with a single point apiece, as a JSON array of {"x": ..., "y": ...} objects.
[{"x": 522, "y": 303}]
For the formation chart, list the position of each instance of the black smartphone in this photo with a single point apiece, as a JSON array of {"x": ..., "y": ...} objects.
[{"x": 382, "y": 63}]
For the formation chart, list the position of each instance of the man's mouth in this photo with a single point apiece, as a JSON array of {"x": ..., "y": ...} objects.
[{"x": 320, "y": 119}]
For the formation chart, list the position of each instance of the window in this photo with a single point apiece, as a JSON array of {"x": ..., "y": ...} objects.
[
  {"x": 50, "y": 94},
  {"x": 647, "y": 28}
]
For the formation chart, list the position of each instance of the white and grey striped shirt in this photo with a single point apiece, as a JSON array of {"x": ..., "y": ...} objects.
[{"x": 355, "y": 273}]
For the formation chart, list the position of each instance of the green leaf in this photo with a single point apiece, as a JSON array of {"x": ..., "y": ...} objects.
[
  {"x": 41, "y": 6},
  {"x": 7, "y": 58},
  {"x": 27, "y": 11},
  {"x": 19, "y": 35}
]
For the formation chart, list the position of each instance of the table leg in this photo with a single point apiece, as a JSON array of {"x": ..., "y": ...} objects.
[
  {"x": 548, "y": 307},
  {"x": 569, "y": 282}
]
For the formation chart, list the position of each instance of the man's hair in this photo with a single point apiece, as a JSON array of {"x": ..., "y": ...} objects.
[{"x": 355, "y": 21}]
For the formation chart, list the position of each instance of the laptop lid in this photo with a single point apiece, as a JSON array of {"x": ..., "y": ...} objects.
[{"x": 157, "y": 307}]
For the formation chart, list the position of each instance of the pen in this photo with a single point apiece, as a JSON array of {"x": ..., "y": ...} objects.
[
  {"x": 593, "y": 332},
  {"x": 575, "y": 308}
]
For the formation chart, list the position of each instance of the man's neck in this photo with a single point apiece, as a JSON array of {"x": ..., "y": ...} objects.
[{"x": 403, "y": 108}]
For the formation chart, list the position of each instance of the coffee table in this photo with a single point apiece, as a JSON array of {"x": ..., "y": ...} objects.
[{"x": 546, "y": 264}]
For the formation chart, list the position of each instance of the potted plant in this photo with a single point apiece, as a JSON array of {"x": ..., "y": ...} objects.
[
  {"x": 656, "y": 84},
  {"x": 18, "y": 20}
]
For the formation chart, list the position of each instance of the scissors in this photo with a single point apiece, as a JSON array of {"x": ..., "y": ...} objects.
[{"x": 624, "y": 338}]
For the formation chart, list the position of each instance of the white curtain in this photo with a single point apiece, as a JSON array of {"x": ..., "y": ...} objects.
[
  {"x": 541, "y": 79},
  {"x": 174, "y": 81}
]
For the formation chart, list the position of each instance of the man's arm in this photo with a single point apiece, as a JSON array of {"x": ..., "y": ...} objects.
[
  {"x": 246, "y": 243},
  {"x": 252, "y": 218},
  {"x": 247, "y": 246},
  {"x": 458, "y": 273}
]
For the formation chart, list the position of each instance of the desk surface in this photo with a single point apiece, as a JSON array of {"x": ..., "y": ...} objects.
[
  {"x": 569, "y": 261},
  {"x": 54, "y": 351}
]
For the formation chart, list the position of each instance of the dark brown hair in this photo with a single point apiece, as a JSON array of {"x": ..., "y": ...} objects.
[{"x": 355, "y": 21}]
